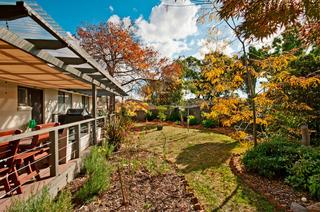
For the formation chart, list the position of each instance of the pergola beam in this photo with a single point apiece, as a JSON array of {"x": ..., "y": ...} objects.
[
  {"x": 47, "y": 44},
  {"x": 72, "y": 60},
  {"x": 12, "y": 12}
]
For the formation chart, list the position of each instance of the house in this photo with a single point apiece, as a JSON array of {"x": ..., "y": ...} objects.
[{"x": 43, "y": 70}]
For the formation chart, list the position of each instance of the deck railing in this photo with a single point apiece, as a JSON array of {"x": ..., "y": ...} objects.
[{"x": 64, "y": 143}]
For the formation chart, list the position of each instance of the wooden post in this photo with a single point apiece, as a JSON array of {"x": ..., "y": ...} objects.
[
  {"x": 54, "y": 156},
  {"x": 305, "y": 135},
  {"x": 77, "y": 140},
  {"x": 112, "y": 103},
  {"x": 94, "y": 114}
]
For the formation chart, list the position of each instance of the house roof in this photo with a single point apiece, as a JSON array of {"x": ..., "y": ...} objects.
[{"x": 26, "y": 27}]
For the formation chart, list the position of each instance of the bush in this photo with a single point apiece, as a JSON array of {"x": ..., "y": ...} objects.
[
  {"x": 174, "y": 115},
  {"x": 192, "y": 120},
  {"x": 117, "y": 132},
  {"x": 162, "y": 116},
  {"x": 209, "y": 123},
  {"x": 151, "y": 115},
  {"x": 98, "y": 171},
  {"x": 305, "y": 173},
  {"x": 272, "y": 159},
  {"x": 43, "y": 202},
  {"x": 297, "y": 164}
]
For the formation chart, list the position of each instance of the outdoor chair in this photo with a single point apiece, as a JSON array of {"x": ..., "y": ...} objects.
[
  {"x": 8, "y": 171},
  {"x": 37, "y": 151},
  {"x": 40, "y": 139}
]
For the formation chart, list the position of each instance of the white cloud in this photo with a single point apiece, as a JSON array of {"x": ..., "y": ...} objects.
[
  {"x": 207, "y": 46},
  {"x": 124, "y": 22},
  {"x": 115, "y": 19},
  {"x": 169, "y": 27},
  {"x": 111, "y": 8}
]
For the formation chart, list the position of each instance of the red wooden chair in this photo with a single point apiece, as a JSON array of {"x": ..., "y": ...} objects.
[
  {"x": 38, "y": 140},
  {"x": 35, "y": 152},
  {"x": 8, "y": 171}
]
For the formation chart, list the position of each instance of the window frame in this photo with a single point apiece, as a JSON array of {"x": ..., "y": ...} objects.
[
  {"x": 27, "y": 101},
  {"x": 64, "y": 104}
]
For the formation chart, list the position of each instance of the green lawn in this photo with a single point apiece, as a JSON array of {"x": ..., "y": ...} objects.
[{"x": 202, "y": 156}]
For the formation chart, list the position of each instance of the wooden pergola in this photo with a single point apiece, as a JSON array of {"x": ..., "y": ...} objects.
[{"x": 35, "y": 51}]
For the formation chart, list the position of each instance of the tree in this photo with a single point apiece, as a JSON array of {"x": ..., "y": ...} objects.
[
  {"x": 166, "y": 88},
  {"x": 191, "y": 75},
  {"x": 124, "y": 58},
  {"x": 260, "y": 18}
]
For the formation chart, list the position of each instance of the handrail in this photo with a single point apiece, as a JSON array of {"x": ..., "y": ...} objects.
[{"x": 46, "y": 130}]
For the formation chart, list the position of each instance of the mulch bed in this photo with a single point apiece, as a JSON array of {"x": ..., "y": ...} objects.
[
  {"x": 165, "y": 192},
  {"x": 276, "y": 192},
  {"x": 144, "y": 191}
]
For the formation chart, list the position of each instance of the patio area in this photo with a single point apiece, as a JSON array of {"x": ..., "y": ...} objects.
[{"x": 47, "y": 78}]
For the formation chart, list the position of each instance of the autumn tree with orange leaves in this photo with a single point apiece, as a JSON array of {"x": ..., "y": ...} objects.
[
  {"x": 124, "y": 58},
  {"x": 166, "y": 88}
]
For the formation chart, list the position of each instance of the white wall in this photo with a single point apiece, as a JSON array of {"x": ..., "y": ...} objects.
[
  {"x": 50, "y": 104},
  {"x": 10, "y": 116},
  {"x": 76, "y": 101}
]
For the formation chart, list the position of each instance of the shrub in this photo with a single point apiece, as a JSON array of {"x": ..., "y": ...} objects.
[
  {"x": 305, "y": 173},
  {"x": 297, "y": 164},
  {"x": 162, "y": 116},
  {"x": 174, "y": 115},
  {"x": 117, "y": 132},
  {"x": 272, "y": 159},
  {"x": 43, "y": 202},
  {"x": 98, "y": 171},
  {"x": 106, "y": 148},
  {"x": 151, "y": 115},
  {"x": 192, "y": 120},
  {"x": 209, "y": 123}
]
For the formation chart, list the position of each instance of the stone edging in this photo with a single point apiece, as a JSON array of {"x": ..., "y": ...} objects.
[{"x": 244, "y": 179}]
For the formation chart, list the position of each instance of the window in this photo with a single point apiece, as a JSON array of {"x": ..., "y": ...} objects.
[
  {"x": 85, "y": 102},
  {"x": 23, "y": 96},
  {"x": 64, "y": 101}
]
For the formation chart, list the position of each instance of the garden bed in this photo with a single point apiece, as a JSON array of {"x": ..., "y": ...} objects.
[
  {"x": 277, "y": 192},
  {"x": 149, "y": 183}
]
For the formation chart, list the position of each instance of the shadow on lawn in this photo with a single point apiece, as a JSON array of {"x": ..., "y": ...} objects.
[{"x": 199, "y": 157}]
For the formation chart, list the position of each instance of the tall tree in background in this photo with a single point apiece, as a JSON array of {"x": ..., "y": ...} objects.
[
  {"x": 124, "y": 58},
  {"x": 167, "y": 86}
]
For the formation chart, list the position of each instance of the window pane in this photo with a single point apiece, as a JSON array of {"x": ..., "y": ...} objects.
[
  {"x": 61, "y": 102},
  {"x": 22, "y": 96},
  {"x": 68, "y": 100}
]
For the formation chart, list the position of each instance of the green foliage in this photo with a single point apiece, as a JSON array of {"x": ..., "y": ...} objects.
[
  {"x": 192, "y": 120},
  {"x": 106, "y": 148},
  {"x": 174, "y": 115},
  {"x": 117, "y": 131},
  {"x": 151, "y": 115},
  {"x": 305, "y": 173},
  {"x": 272, "y": 159},
  {"x": 297, "y": 164},
  {"x": 43, "y": 202},
  {"x": 162, "y": 116},
  {"x": 209, "y": 123},
  {"x": 98, "y": 171}
]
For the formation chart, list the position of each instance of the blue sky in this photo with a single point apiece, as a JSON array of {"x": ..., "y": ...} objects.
[
  {"x": 72, "y": 13},
  {"x": 173, "y": 31}
]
